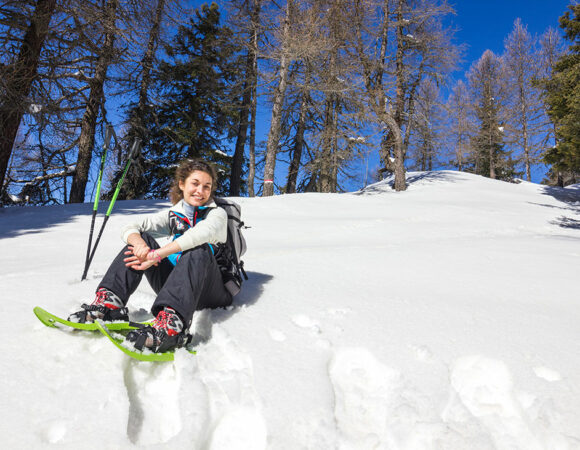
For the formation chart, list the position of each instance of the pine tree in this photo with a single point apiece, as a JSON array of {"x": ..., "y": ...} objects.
[
  {"x": 196, "y": 113},
  {"x": 563, "y": 98}
]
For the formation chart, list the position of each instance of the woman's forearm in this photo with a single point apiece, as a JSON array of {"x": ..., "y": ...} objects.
[{"x": 168, "y": 249}]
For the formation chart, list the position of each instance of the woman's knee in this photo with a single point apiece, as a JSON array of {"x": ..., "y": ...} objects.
[
  {"x": 197, "y": 255},
  {"x": 149, "y": 240}
]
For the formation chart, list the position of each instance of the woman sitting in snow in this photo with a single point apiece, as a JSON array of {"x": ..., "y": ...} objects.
[{"x": 184, "y": 274}]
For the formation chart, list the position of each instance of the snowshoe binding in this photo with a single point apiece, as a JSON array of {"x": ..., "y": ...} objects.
[
  {"x": 166, "y": 333},
  {"x": 107, "y": 306}
]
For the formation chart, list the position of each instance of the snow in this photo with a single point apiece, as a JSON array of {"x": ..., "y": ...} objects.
[
  {"x": 34, "y": 108},
  {"x": 443, "y": 317}
]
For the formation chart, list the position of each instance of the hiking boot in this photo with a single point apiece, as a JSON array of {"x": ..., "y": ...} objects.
[
  {"x": 107, "y": 306},
  {"x": 164, "y": 334}
]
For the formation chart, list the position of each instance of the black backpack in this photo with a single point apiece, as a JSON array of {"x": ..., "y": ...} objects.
[{"x": 229, "y": 255}]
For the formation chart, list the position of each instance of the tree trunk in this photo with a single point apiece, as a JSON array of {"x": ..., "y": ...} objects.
[
  {"x": 327, "y": 150},
  {"x": 397, "y": 139},
  {"x": 19, "y": 82},
  {"x": 246, "y": 106},
  {"x": 393, "y": 119},
  {"x": 253, "y": 110},
  {"x": 252, "y": 149},
  {"x": 399, "y": 151},
  {"x": 89, "y": 122},
  {"x": 238, "y": 159},
  {"x": 492, "y": 174},
  {"x": 276, "y": 122},
  {"x": 525, "y": 135},
  {"x": 148, "y": 59},
  {"x": 298, "y": 146}
]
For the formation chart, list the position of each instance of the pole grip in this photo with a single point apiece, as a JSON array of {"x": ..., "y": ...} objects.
[
  {"x": 135, "y": 149},
  {"x": 108, "y": 136}
]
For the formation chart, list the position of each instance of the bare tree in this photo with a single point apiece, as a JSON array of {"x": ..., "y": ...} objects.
[
  {"x": 428, "y": 126},
  {"x": 299, "y": 137},
  {"x": 18, "y": 78},
  {"x": 278, "y": 99},
  {"x": 461, "y": 127},
  {"x": 249, "y": 15},
  {"x": 525, "y": 110},
  {"x": 411, "y": 44},
  {"x": 95, "y": 102}
]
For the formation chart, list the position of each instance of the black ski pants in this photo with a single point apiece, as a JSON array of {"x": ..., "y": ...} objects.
[{"x": 194, "y": 283}]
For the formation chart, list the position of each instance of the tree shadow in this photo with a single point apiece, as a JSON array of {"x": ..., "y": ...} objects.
[
  {"x": 251, "y": 291},
  {"x": 566, "y": 222},
  {"x": 18, "y": 220},
  {"x": 387, "y": 185},
  {"x": 570, "y": 196}
]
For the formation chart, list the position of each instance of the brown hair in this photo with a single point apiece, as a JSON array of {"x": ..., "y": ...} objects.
[{"x": 184, "y": 170}]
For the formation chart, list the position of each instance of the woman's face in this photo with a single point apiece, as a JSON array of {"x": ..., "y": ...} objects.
[{"x": 196, "y": 188}]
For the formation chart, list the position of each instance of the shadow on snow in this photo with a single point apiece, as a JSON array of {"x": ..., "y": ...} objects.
[
  {"x": 252, "y": 290},
  {"x": 571, "y": 197},
  {"x": 412, "y": 178},
  {"x": 17, "y": 220}
]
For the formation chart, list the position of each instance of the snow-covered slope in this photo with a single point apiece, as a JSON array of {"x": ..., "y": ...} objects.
[{"x": 443, "y": 317}]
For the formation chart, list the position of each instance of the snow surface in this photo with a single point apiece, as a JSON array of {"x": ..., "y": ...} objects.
[{"x": 443, "y": 317}]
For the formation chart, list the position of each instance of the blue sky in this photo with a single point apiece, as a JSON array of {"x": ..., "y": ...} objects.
[{"x": 485, "y": 24}]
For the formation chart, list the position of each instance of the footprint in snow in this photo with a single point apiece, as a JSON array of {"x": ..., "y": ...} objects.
[
  {"x": 364, "y": 393},
  {"x": 338, "y": 312},
  {"x": 485, "y": 388},
  {"x": 305, "y": 322},
  {"x": 547, "y": 374},
  {"x": 421, "y": 352},
  {"x": 233, "y": 405},
  {"x": 154, "y": 412},
  {"x": 277, "y": 335},
  {"x": 54, "y": 432}
]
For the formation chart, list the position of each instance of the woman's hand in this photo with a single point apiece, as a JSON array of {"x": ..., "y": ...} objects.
[
  {"x": 134, "y": 262},
  {"x": 140, "y": 251},
  {"x": 154, "y": 256},
  {"x": 138, "y": 247}
]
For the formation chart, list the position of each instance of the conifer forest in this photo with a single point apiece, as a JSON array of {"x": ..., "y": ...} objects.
[{"x": 282, "y": 96}]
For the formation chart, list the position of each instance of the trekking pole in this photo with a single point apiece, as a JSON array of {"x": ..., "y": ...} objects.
[
  {"x": 132, "y": 154},
  {"x": 108, "y": 134}
]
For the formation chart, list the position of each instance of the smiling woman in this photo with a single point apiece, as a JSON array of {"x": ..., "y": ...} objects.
[
  {"x": 196, "y": 188},
  {"x": 191, "y": 174},
  {"x": 185, "y": 273}
]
